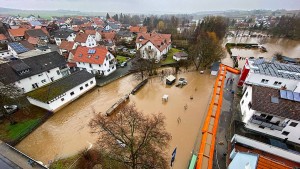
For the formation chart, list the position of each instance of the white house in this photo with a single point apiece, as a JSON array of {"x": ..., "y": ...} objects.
[
  {"x": 153, "y": 45},
  {"x": 58, "y": 94},
  {"x": 33, "y": 72},
  {"x": 271, "y": 111},
  {"x": 84, "y": 39},
  {"x": 97, "y": 60},
  {"x": 180, "y": 56},
  {"x": 64, "y": 35},
  {"x": 94, "y": 34},
  {"x": 6, "y": 55},
  {"x": 274, "y": 75}
]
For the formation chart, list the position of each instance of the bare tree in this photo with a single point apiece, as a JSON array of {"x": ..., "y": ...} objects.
[
  {"x": 206, "y": 50},
  {"x": 132, "y": 138}
]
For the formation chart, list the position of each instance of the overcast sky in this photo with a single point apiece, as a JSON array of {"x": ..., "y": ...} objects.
[{"x": 148, "y": 6}]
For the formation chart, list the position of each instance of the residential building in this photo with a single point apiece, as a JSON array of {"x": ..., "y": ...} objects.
[
  {"x": 180, "y": 56},
  {"x": 97, "y": 60},
  {"x": 108, "y": 35},
  {"x": 125, "y": 35},
  {"x": 33, "y": 72},
  {"x": 58, "y": 94},
  {"x": 247, "y": 153},
  {"x": 138, "y": 29},
  {"x": 270, "y": 74},
  {"x": 17, "y": 34},
  {"x": 84, "y": 39},
  {"x": 153, "y": 45},
  {"x": 65, "y": 47},
  {"x": 63, "y": 35},
  {"x": 3, "y": 39},
  {"x": 19, "y": 47},
  {"x": 33, "y": 36},
  {"x": 273, "y": 112},
  {"x": 95, "y": 34}
]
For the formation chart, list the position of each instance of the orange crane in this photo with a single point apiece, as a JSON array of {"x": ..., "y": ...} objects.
[{"x": 210, "y": 127}]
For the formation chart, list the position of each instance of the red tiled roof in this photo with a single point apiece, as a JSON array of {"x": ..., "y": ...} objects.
[
  {"x": 17, "y": 32},
  {"x": 66, "y": 45},
  {"x": 82, "y": 55},
  {"x": 108, "y": 35},
  {"x": 3, "y": 37},
  {"x": 71, "y": 64},
  {"x": 90, "y": 32},
  {"x": 160, "y": 41},
  {"x": 33, "y": 40},
  {"x": 81, "y": 37},
  {"x": 138, "y": 29}
]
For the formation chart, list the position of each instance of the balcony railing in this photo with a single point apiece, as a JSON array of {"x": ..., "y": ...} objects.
[{"x": 265, "y": 123}]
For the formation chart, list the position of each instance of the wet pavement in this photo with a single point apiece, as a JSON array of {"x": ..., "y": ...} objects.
[{"x": 225, "y": 119}]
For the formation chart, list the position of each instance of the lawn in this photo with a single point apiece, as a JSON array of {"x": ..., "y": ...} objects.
[
  {"x": 170, "y": 55},
  {"x": 26, "y": 118},
  {"x": 20, "y": 129},
  {"x": 121, "y": 59}
]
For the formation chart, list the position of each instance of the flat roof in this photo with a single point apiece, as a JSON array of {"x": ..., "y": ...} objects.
[{"x": 275, "y": 69}]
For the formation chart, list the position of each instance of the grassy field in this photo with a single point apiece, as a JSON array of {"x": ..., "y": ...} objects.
[
  {"x": 19, "y": 129},
  {"x": 121, "y": 59},
  {"x": 26, "y": 120},
  {"x": 170, "y": 55}
]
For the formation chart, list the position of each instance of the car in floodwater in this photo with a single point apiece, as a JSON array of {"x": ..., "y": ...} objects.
[{"x": 123, "y": 64}]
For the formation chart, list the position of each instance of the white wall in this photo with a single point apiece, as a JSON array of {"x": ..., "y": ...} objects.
[
  {"x": 254, "y": 78},
  {"x": 95, "y": 68},
  {"x": 5, "y": 54},
  {"x": 247, "y": 113},
  {"x": 155, "y": 52},
  {"x": 65, "y": 98},
  {"x": 12, "y": 50},
  {"x": 90, "y": 42},
  {"x": 26, "y": 84},
  {"x": 98, "y": 36}
]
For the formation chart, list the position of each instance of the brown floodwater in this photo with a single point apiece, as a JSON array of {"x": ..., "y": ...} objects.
[
  {"x": 67, "y": 132},
  {"x": 287, "y": 47}
]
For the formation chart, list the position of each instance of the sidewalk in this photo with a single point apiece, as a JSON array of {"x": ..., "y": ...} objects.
[
  {"x": 220, "y": 154},
  {"x": 120, "y": 72}
]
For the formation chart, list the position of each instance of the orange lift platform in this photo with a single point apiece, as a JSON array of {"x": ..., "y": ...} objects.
[{"x": 210, "y": 127}]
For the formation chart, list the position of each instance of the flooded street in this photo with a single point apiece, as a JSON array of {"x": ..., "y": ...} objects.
[
  {"x": 67, "y": 132},
  {"x": 289, "y": 48}
]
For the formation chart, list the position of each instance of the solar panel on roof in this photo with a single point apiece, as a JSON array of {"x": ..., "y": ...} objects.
[
  {"x": 297, "y": 96},
  {"x": 283, "y": 94},
  {"x": 19, "y": 48},
  {"x": 289, "y": 95}
]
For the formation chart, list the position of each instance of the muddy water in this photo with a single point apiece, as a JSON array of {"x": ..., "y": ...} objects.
[
  {"x": 290, "y": 48},
  {"x": 67, "y": 132}
]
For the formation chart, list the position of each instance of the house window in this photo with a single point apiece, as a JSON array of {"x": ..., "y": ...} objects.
[
  {"x": 35, "y": 85},
  {"x": 285, "y": 133},
  {"x": 99, "y": 65},
  {"x": 91, "y": 82},
  {"x": 90, "y": 65},
  {"x": 52, "y": 79},
  {"x": 62, "y": 99},
  {"x": 72, "y": 93},
  {"x": 86, "y": 85},
  {"x": 262, "y": 127},
  {"x": 293, "y": 124},
  {"x": 58, "y": 72},
  {"x": 48, "y": 71},
  {"x": 81, "y": 87},
  {"x": 149, "y": 47},
  {"x": 277, "y": 83},
  {"x": 43, "y": 81},
  {"x": 246, "y": 94},
  {"x": 265, "y": 81},
  {"x": 242, "y": 102},
  {"x": 40, "y": 74},
  {"x": 249, "y": 105}
]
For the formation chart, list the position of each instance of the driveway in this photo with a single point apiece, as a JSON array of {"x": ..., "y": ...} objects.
[{"x": 120, "y": 72}]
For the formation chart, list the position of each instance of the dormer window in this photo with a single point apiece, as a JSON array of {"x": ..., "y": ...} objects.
[
  {"x": 80, "y": 55},
  {"x": 97, "y": 57}
]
